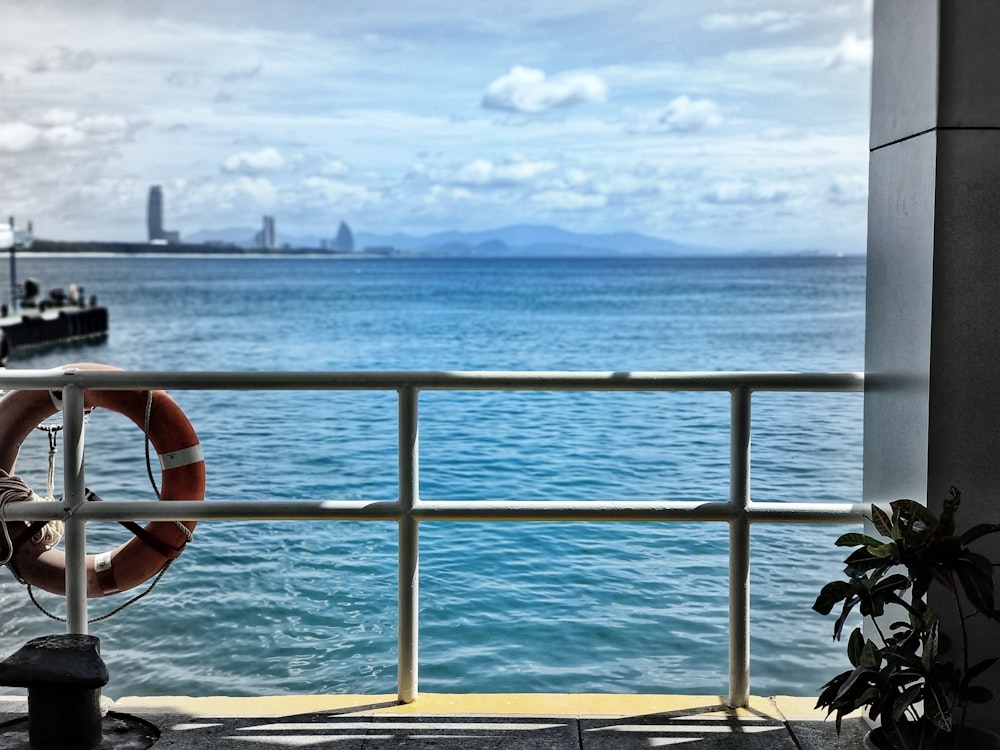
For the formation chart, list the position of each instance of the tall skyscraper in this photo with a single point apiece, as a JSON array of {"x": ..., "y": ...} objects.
[
  {"x": 267, "y": 237},
  {"x": 154, "y": 219},
  {"x": 154, "y": 213},
  {"x": 345, "y": 239}
]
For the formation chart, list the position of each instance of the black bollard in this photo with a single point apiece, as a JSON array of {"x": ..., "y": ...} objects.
[{"x": 64, "y": 675}]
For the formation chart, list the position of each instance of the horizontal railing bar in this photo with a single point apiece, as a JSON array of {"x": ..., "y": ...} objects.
[
  {"x": 571, "y": 510},
  {"x": 440, "y": 510},
  {"x": 216, "y": 510},
  {"x": 469, "y": 381},
  {"x": 588, "y": 510},
  {"x": 818, "y": 512}
]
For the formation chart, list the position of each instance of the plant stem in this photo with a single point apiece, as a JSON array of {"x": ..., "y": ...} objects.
[{"x": 965, "y": 654}]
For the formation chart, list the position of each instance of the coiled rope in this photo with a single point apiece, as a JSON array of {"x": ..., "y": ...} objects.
[{"x": 14, "y": 489}]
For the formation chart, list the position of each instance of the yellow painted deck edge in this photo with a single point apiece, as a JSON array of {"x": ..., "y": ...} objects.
[{"x": 488, "y": 704}]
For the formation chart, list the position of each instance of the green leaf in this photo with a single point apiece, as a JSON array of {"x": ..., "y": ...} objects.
[
  {"x": 830, "y": 594},
  {"x": 852, "y": 689},
  {"x": 855, "y": 539},
  {"x": 949, "y": 507},
  {"x": 930, "y": 650},
  {"x": 869, "y": 655},
  {"x": 861, "y": 561},
  {"x": 895, "y": 582},
  {"x": 976, "y": 583},
  {"x": 881, "y": 522},
  {"x": 906, "y": 699},
  {"x": 937, "y": 708},
  {"x": 828, "y": 693},
  {"x": 907, "y": 512},
  {"x": 849, "y": 603},
  {"x": 884, "y": 550},
  {"x": 855, "y": 646},
  {"x": 980, "y": 530},
  {"x": 981, "y": 562},
  {"x": 904, "y": 660}
]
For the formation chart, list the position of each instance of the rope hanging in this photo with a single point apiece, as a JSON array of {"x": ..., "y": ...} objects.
[
  {"x": 50, "y": 480},
  {"x": 106, "y": 615},
  {"x": 149, "y": 469}
]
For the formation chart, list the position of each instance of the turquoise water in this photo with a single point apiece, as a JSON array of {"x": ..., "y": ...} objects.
[{"x": 263, "y": 608}]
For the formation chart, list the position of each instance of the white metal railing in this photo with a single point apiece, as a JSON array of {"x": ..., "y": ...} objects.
[{"x": 408, "y": 510}]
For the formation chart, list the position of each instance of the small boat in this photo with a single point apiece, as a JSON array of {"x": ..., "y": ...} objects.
[{"x": 32, "y": 320}]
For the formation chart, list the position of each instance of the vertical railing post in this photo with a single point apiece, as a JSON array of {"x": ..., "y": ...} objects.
[
  {"x": 409, "y": 551},
  {"x": 73, "y": 497},
  {"x": 739, "y": 548}
]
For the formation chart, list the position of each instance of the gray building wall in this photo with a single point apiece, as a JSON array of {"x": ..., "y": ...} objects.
[{"x": 932, "y": 400}]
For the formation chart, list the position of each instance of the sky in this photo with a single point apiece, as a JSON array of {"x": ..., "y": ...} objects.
[{"x": 733, "y": 124}]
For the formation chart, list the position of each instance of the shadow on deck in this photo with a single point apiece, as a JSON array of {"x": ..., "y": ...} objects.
[{"x": 470, "y": 722}]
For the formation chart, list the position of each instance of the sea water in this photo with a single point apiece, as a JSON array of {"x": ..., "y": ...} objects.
[{"x": 291, "y": 607}]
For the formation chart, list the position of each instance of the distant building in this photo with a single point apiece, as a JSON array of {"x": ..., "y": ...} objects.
[
  {"x": 154, "y": 219},
  {"x": 345, "y": 239},
  {"x": 267, "y": 237},
  {"x": 154, "y": 213}
]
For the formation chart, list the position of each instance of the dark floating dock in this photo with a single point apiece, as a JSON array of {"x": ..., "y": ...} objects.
[
  {"x": 32, "y": 329},
  {"x": 31, "y": 321}
]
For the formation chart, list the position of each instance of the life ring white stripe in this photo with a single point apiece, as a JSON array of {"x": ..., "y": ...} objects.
[
  {"x": 102, "y": 562},
  {"x": 182, "y": 457}
]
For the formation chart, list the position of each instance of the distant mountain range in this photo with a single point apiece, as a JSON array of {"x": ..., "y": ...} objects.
[
  {"x": 517, "y": 241},
  {"x": 521, "y": 240}
]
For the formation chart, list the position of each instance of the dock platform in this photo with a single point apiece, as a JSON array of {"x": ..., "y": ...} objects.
[
  {"x": 36, "y": 328},
  {"x": 472, "y": 722}
]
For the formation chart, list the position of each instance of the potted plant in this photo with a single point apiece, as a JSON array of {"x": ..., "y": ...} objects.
[{"x": 912, "y": 678}]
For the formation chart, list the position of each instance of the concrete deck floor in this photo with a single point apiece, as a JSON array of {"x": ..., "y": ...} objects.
[{"x": 468, "y": 722}]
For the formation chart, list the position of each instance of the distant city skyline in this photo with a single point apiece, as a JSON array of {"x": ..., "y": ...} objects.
[{"x": 741, "y": 126}]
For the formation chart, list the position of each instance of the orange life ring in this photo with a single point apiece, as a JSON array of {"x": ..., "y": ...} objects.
[{"x": 182, "y": 478}]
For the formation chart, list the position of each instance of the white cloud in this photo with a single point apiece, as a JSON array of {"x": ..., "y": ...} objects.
[
  {"x": 253, "y": 162},
  {"x": 681, "y": 115},
  {"x": 484, "y": 173},
  {"x": 58, "y": 116},
  {"x": 63, "y": 136},
  {"x": 687, "y": 115},
  {"x": 103, "y": 126},
  {"x": 848, "y": 190},
  {"x": 259, "y": 189},
  {"x": 567, "y": 200},
  {"x": 335, "y": 168},
  {"x": 528, "y": 90},
  {"x": 751, "y": 193},
  {"x": 18, "y": 136},
  {"x": 442, "y": 197},
  {"x": 62, "y": 59},
  {"x": 851, "y": 52},
  {"x": 61, "y": 129},
  {"x": 243, "y": 74},
  {"x": 184, "y": 79},
  {"x": 770, "y": 21},
  {"x": 628, "y": 185},
  {"x": 338, "y": 192}
]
